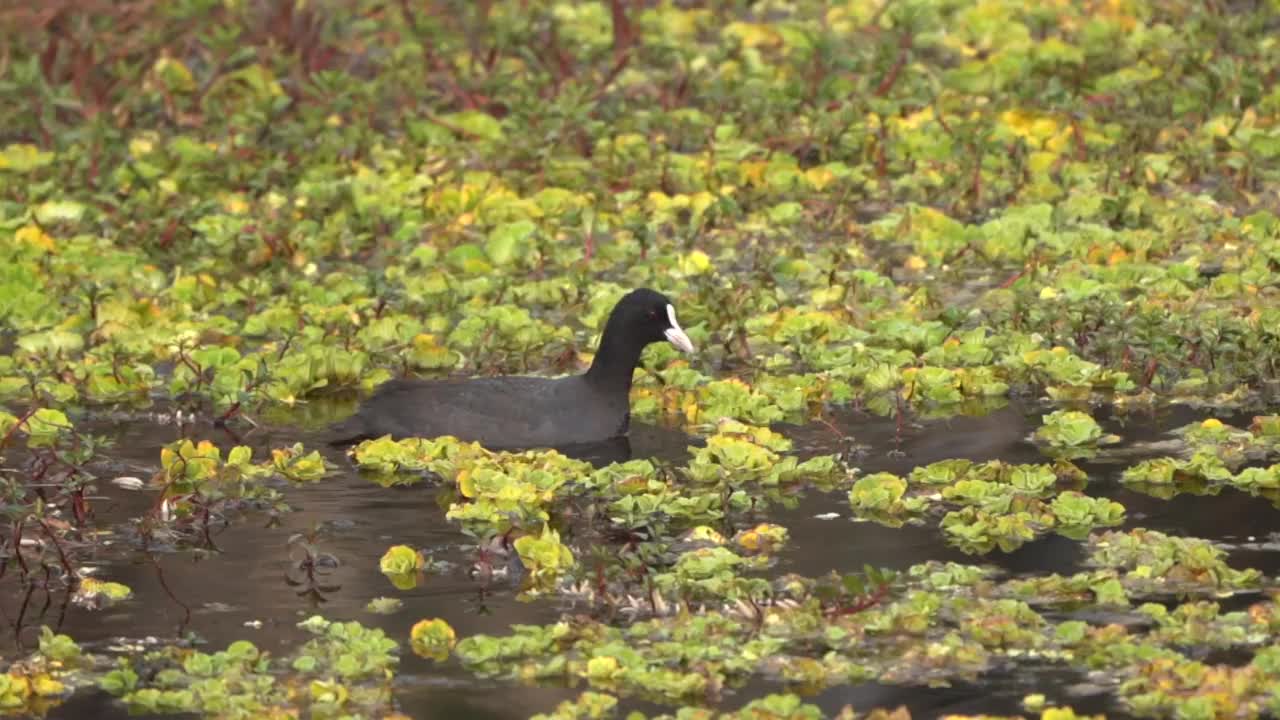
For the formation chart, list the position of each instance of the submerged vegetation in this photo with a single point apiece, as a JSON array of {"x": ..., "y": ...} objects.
[{"x": 219, "y": 217}]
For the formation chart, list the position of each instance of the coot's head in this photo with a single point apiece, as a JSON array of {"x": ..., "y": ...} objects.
[{"x": 648, "y": 316}]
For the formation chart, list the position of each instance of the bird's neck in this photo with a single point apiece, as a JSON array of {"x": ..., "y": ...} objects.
[{"x": 615, "y": 361}]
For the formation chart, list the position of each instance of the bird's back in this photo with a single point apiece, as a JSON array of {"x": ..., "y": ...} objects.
[{"x": 499, "y": 412}]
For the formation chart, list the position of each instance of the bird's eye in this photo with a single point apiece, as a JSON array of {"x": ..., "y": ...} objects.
[{"x": 653, "y": 314}]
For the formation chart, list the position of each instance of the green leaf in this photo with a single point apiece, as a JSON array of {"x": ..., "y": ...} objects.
[{"x": 509, "y": 242}]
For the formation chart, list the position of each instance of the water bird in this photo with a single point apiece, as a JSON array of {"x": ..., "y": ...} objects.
[{"x": 527, "y": 411}]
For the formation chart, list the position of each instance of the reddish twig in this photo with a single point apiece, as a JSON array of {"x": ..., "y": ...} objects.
[
  {"x": 867, "y": 601},
  {"x": 904, "y": 50},
  {"x": 1013, "y": 279},
  {"x": 623, "y": 31},
  {"x": 17, "y": 547},
  {"x": 619, "y": 64},
  {"x": 831, "y": 426},
  {"x": 62, "y": 555},
  {"x": 186, "y": 618},
  {"x": 21, "y": 421},
  {"x": 976, "y": 184},
  {"x": 1149, "y": 375}
]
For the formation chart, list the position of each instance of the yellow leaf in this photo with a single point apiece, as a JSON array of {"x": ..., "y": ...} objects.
[
  {"x": 143, "y": 144},
  {"x": 603, "y": 667},
  {"x": 691, "y": 410},
  {"x": 1044, "y": 127},
  {"x": 23, "y": 157},
  {"x": 1017, "y": 121},
  {"x": 752, "y": 34},
  {"x": 466, "y": 485},
  {"x": 819, "y": 177},
  {"x": 45, "y": 686},
  {"x": 433, "y": 639},
  {"x": 333, "y": 693},
  {"x": 1039, "y": 162},
  {"x": 750, "y": 540},
  {"x": 700, "y": 201},
  {"x": 761, "y": 537},
  {"x": 1059, "y": 142},
  {"x": 752, "y": 171},
  {"x": 20, "y": 686},
  {"x": 234, "y": 203},
  {"x": 916, "y": 119},
  {"x": 1219, "y": 126},
  {"x": 174, "y": 74},
  {"x": 33, "y": 235},
  {"x": 695, "y": 263},
  {"x": 706, "y": 534},
  {"x": 1032, "y": 127},
  {"x": 658, "y": 201}
]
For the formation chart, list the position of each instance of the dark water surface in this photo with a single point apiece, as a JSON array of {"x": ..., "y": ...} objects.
[{"x": 248, "y": 588}]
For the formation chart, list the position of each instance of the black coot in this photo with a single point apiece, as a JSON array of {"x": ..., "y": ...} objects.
[{"x": 523, "y": 412}]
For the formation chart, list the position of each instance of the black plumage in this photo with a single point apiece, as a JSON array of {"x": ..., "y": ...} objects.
[{"x": 527, "y": 411}]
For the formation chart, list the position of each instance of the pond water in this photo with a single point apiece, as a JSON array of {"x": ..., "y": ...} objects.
[{"x": 249, "y": 587}]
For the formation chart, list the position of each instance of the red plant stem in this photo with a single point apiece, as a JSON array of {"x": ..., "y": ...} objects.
[
  {"x": 898, "y": 418},
  {"x": 17, "y": 547},
  {"x": 904, "y": 49},
  {"x": 623, "y": 33},
  {"x": 882, "y": 159},
  {"x": 976, "y": 186},
  {"x": 1082, "y": 150},
  {"x": 78, "y": 507},
  {"x": 22, "y": 613},
  {"x": 230, "y": 413},
  {"x": 618, "y": 66},
  {"x": 1150, "y": 374},
  {"x": 867, "y": 601},
  {"x": 182, "y": 358},
  {"x": 1012, "y": 279},
  {"x": 21, "y": 421},
  {"x": 832, "y": 427},
  {"x": 62, "y": 555},
  {"x": 165, "y": 586}
]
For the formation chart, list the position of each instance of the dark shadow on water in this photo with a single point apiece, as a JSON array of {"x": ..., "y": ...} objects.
[
  {"x": 669, "y": 445},
  {"x": 101, "y": 705},
  {"x": 644, "y": 441},
  {"x": 242, "y": 591},
  {"x": 998, "y": 693}
]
